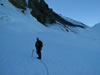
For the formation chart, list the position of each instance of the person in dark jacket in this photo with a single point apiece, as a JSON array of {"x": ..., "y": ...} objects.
[{"x": 38, "y": 46}]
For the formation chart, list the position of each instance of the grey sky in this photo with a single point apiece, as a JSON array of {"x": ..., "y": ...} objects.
[{"x": 86, "y": 11}]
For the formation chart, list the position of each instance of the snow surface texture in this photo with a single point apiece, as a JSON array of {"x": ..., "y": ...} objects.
[{"x": 64, "y": 53}]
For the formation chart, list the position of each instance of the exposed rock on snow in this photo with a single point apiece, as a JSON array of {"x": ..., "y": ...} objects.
[
  {"x": 19, "y": 3},
  {"x": 44, "y": 14}
]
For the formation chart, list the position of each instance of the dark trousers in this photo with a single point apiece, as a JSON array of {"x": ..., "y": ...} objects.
[{"x": 39, "y": 53}]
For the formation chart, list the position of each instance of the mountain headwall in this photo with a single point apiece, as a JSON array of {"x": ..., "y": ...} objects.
[
  {"x": 19, "y": 3},
  {"x": 42, "y": 12}
]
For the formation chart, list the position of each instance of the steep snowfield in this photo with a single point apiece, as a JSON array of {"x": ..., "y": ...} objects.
[
  {"x": 21, "y": 22},
  {"x": 73, "y": 21},
  {"x": 96, "y": 28},
  {"x": 64, "y": 53}
]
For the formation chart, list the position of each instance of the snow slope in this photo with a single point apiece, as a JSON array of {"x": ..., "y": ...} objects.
[
  {"x": 64, "y": 53},
  {"x": 96, "y": 28}
]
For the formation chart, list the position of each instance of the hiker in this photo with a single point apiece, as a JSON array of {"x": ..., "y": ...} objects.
[{"x": 38, "y": 46}]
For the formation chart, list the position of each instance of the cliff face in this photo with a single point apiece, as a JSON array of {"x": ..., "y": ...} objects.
[
  {"x": 19, "y": 3},
  {"x": 43, "y": 13}
]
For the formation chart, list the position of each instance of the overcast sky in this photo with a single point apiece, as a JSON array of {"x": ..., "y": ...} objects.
[{"x": 86, "y": 11}]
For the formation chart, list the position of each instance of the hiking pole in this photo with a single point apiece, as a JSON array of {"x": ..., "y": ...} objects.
[{"x": 32, "y": 52}]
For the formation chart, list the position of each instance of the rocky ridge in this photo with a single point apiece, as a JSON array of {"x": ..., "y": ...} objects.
[{"x": 42, "y": 12}]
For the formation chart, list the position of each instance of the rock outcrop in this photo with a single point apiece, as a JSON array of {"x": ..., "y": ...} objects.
[
  {"x": 43, "y": 13},
  {"x": 46, "y": 15},
  {"x": 19, "y": 3}
]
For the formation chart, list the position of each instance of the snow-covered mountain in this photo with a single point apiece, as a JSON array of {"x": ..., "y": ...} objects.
[
  {"x": 76, "y": 52},
  {"x": 45, "y": 15},
  {"x": 97, "y": 28}
]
